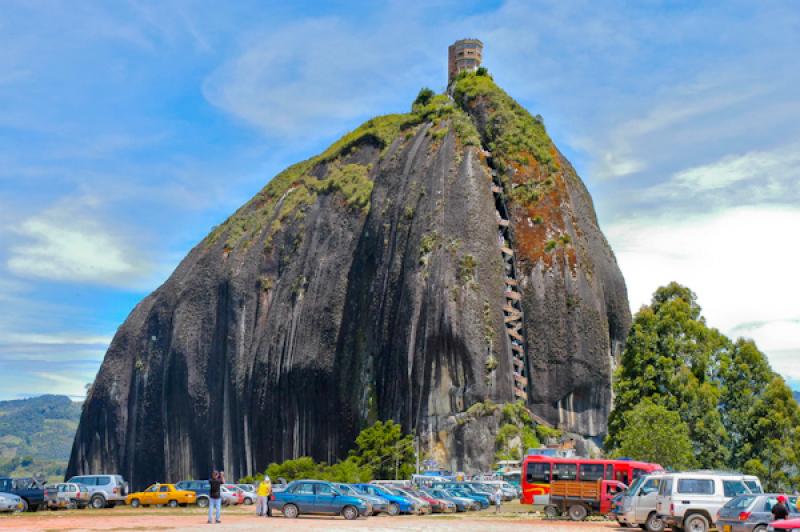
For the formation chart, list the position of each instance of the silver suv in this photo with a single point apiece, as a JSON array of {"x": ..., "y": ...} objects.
[
  {"x": 105, "y": 491},
  {"x": 692, "y": 500}
]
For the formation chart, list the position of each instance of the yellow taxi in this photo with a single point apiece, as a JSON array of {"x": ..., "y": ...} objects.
[{"x": 161, "y": 494}]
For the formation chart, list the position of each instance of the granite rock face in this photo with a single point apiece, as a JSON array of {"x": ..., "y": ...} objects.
[{"x": 363, "y": 284}]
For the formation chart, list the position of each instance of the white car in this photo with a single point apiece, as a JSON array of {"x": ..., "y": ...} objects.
[
  {"x": 692, "y": 500},
  {"x": 638, "y": 505},
  {"x": 10, "y": 503}
]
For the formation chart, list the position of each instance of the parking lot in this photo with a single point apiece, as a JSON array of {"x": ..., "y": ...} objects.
[{"x": 514, "y": 517}]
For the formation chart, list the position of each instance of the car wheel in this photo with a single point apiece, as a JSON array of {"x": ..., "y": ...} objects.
[
  {"x": 202, "y": 502},
  {"x": 248, "y": 501},
  {"x": 24, "y": 506},
  {"x": 654, "y": 523},
  {"x": 760, "y": 528},
  {"x": 394, "y": 509},
  {"x": 172, "y": 504},
  {"x": 577, "y": 512},
  {"x": 290, "y": 511},
  {"x": 696, "y": 523},
  {"x": 135, "y": 503},
  {"x": 98, "y": 502},
  {"x": 350, "y": 513},
  {"x": 551, "y": 511}
]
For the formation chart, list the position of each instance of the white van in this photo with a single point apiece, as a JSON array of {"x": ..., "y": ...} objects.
[
  {"x": 692, "y": 500},
  {"x": 638, "y": 506}
]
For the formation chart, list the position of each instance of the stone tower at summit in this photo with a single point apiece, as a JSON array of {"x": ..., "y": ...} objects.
[{"x": 464, "y": 54}]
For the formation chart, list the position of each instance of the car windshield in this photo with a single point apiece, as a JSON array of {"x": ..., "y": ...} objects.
[
  {"x": 739, "y": 503},
  {"x": 635, "y": 486}
]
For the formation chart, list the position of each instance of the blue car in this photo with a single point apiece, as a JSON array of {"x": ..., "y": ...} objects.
[
  {"x": 379, "y": 504},
  {"x": 483, "y": 501},
  {"x": 201, "y": 488},
  {"x": 397, "y": 504},
  {"x": 463, "y": 504},
  {"x": 317, "y": 497}
]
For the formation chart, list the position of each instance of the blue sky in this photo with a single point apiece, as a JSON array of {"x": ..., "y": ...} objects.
[{"x": 127, "y": 130}]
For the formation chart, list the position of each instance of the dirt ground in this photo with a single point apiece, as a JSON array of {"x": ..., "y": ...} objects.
[{"x": 514, "y": 517}]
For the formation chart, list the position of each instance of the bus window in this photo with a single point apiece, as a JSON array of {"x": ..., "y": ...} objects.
[
  {"x": 565, "y": 471},
  {"x": 622, "y": 476},
  {"x": 638, "y": 472},
  {"x": 591, "y": 472},
  {"x": 538, "y": 472},
  {"x": 610, "y": 472}
]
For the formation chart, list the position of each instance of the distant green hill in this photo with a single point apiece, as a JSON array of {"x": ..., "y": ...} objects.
[{"x": 36, "y": 435}]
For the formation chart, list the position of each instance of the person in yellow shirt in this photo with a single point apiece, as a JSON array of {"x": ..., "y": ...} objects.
[{"x": 262, "y": 497}]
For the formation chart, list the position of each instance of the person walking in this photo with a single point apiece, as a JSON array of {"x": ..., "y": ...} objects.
[
  {"x": 215, "y": 495},
  {"x": 780, "y": 511},
  {"x": 498, "y": 495},
  {"x": 263, "y": 492}
]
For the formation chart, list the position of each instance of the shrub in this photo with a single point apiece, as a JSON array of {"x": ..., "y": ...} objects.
[
  {"x": 550, "y": 245},
  {"x": 466, "y": 269},
  {"x": 482, "y": 71},
  {"x": 423, "y": 98}
]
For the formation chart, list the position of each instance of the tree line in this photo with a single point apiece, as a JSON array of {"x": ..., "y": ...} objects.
[{"x": 687, "y": 396}]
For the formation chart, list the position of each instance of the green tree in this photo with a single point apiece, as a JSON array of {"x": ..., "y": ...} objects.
[
  {"x": 423, "y": 98},
  {"x": 671, "y": 358},
  {"x": 385, "y": 450},
  {"x": 655, "y": 434}
]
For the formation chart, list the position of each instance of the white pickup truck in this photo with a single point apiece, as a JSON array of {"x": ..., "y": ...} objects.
[{"x": 638, "y": 506}]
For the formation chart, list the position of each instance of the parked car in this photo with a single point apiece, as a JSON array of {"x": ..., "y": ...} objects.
[
  {"x": 752, "y": 512},
  {"x": 439, "y": 506},
  {"x": 397, "y": 503},
  {"x": 66, "y": 495},
  {"x": 105, "y": 491},
  {"x": 786, "y": 525},
  {"x": 200, "y": 488},
  {"x": 463, "y": 504},
  {"x": 480, "y": 499},
  {"x": 242, "y": 496},
  {"x": 379, "y": 504},
  {"x": 160, "y": 495},
  {"x": 231, "y": 497},
  {"x": 510, "y": 492},
  {"x": 11, "y": 503},
  {"x": 637, "y": 505},
  {"x": 317, "y": 497},
  {"x": 423, "y": 506},
  {"x": 249, "y": 492},
  {"x": 691, "y": 500},
  {"x": 753, "y": 483},
  {"x": 30, "y": 490},
  {"x": 469, "y": 488}
]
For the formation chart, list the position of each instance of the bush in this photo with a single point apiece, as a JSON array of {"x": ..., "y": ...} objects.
[
  {"x": 423, "y": 98},
  {"x": 482, "y": 71}
]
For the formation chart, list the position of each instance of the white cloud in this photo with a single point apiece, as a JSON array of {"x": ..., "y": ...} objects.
[
  {"x": 55, "y": 339},
  {"x": 62, "y": 244},
  {"x": 308, "y": 77},
  {"x": 741, "y": 262}
]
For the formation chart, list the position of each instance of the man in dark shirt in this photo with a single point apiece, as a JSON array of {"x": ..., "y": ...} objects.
[
  {"x": 780, "y": 511},
  {"x": 215, "y": 495}
]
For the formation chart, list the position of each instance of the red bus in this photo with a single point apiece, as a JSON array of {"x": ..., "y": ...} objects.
[{"x": 538, "y": 471}]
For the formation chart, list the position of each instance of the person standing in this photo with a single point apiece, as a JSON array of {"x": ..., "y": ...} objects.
[
  {"x": 498, "y": 495},
  {"x": 263, "y": 492},
  {"x": 215, "y": 495},
  {"x": 780, "y": 511}
]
